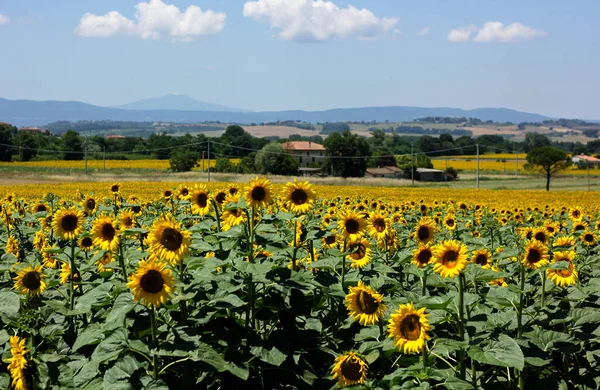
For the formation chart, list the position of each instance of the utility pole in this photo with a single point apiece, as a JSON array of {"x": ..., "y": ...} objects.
[
  {"x": 209, "y": 161},
  {"x": 412, "y": 163},
  {"x": 85, "y": 143},
  {"x": 477, "y": 166},
  {"x": 517, "y": 166}
]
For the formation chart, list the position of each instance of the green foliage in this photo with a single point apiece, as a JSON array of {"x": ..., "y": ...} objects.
[
  {"x": 6, "y": 141},
  {"x": 347, "y": 154},
  {"x": 183, "y": 160},
  {"x": 548, "y": 161},
  {"x": 335, "y": 127},
  {"x": 406, "y": 163},
  {"x": 72, "y": 146},
  {"x": 273, "y": 159}
]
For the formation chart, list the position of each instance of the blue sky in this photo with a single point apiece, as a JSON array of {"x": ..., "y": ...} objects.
[{"x": 541, "y": 57}]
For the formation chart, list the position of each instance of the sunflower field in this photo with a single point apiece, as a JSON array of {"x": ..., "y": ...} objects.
[{"x": 297, "y": 286}]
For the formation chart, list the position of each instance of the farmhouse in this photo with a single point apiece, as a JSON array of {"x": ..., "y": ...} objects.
[
  {"x": 592, "y": 161},
  {"x": 306, "y": 153}
]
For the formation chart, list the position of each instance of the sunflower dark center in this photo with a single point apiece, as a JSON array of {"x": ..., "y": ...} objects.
[
  {"x": 576, "y": 214},
  {"x": 233, "y": 191},
  {"x": 534, "y": 256},
  {"x": 410, "y": 327},
  {"x": 579, "y": 226},
  {"x": 588, "y": 237},
  {"x": 86, "y": 241},
  {"x": 41, "y": 207},
  {"x": 299, "y": 196},
  {"x": 449, "y": 259},
  {"x": 550, "y": 229},
  {"x": 366, "y": 303},
  {"x": 379, "y": 224},
  {"x": 423, "y": 233},
  {"x": 152, "y": 282},
  {"x": 202, "y": 199},
  {"x": 220, "y": 198},
  {"x": 540, "y": 236},
  {"x": 171, "y": 239},
  {"x": 168, "y": 193},
  {"x": 351, "y": 369},
  {"x": 330, "y": 239},
  {"x": 352, "y": 226},
  {"x": 69, "y": 222},
  {"x": 108, "y": 231},
  {"x": 450, "y": 222},
  {"x": 90, "y": 204},
  {"x": 259, "y": 193},
  {"x": 114, "y": 188},
  {"x": 32, "y": 280},
  {"x": 127, "y": 221},
  {"x": 359, "y": 251},
  {"x": 424, "y": 256},
  {"x": 184, "y": 191},
  {"x": 136, "y": 209},
  {"x": 481, "y": 259}
]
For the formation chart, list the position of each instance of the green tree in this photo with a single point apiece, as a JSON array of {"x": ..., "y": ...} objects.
[
  {"x": 72, "y": 145},
  {"x": 6, "y": 141},
  {"x": 420, "y": 161},
  {"x": 548, "y": 161},
  {"x": 160, "y": 144},
  {"x": 348, "y": 154},
  {"x": 26, "y": 144},
  {"x": 273, "y": 159},
  {"x": 534, "y": 141},
  {"x": 183, "y": 160}
]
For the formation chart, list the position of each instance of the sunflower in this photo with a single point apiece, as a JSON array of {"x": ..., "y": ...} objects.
[
  {"x": 101, "y": 263},
  {"x": 450, "y": 258},
  {"x": 579, "y": 226},
  {"x": 535, "y": 255},
  {"x": 30, "y": 281},
  {"x": 425, "y": 230},
  {"x": 106, "y": 233},
  {"x": 587, "y": 238},
  {"x": 40, "y": 240},
  {"x": 378, "y": 225},
  {"x": 564, "y": 241},
  {"x": 450, "y": 222},
  {"x": 352, "y": 225},
  {"x": 299, "y": 197},
  {"x": 364, "y": 304},
  {"x": 360, "y": 253},
  {"x": 576, "y": 213},
  {"x": 39, "y": 208},
  {"x": 167, "y": 240},
  {"x": 329, "y": 241},
  {"x": 89, "y": 204},
  {"x": 68, "y": 223},
  {"x": 232, "y": 190},
  {"x": 65, "y": 274},
  {"x": 151, "y": 283},
  {"x": 115, "y": 187},
  {"x": 565, "y": 276},
  {"x": 167, "y": 194},
  {"x": 552, "y": 227},
  {"x": 18, "y": 363},
  {"x": 126, "y": 219},
  {"x": 391, "y": 243},
  {"x": 349, "y": 369},
  {"x": 408, "y": 327},
  {"x": 422, "y": 256},
  {"x": 498, "y": 282},
  {"x": 48, "y": 256},
  {"x": 258, "y": 192},
  {"x": 220, "y": 196},
  {"x": 200, "y": 200},
  {"x": 12, "y": 246},
  {"x": 540, "y": 234},
  {"x": 483, "y": 258},
  {"x": 183, "y": 192},
  {"x": 232, "y": 216}
]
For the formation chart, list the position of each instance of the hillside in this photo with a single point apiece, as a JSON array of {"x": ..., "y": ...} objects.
[
  {"x": 37, "y": 113},
  {"x": 174, "y": 101}
]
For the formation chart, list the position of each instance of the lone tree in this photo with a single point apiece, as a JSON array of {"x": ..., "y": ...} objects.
[
  {"x": 348, "y": 154},
  {"x": 548, "y": 161},
  {"x": 273, "y": 159}
]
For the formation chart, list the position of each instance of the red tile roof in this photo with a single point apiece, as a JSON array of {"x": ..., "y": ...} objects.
[{"x": 303, "y": 146}]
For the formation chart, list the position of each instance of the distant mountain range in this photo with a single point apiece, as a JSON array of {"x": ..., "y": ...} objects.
[
  {"x": 39, "y": 113},
  {"x": 174, "y": 101}
]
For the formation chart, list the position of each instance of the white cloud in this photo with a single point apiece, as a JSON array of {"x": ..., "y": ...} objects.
[
  {"x": 153, "y": 20},
  {"x": 495, "y": 32},
  {"x": 318, "y": 20},
  {"x": 424, "y": 31},
  {"x": 461, "y": 34},
  {"x": 4, "y": 19}
]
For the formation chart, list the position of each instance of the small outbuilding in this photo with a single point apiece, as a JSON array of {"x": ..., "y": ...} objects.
[{"x": 427, "y": 174}]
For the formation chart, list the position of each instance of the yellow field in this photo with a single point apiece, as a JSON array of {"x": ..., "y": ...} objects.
[
  {"x": 467, "y": 164},
  {"x": 498, "y": 199},
  {"x": 159, "y": 165},
  {"x": 493, "y": 156}
]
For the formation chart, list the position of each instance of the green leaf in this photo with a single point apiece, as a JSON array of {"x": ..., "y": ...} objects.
[
  {"x": 117, "y": 377},
  {"x": 227, "y": 302},
  {"x": 272, "y": 356},
  {"x": 93, "y": 334},
  {"x": 111, "y": 346},
  {"x": 86, "y": 373},
  {"x": 504, "y": 352},
  {"x": 10, "y": 304},
  {"x": 134, "y": 231},
  {"x": 123, "y": 305}
]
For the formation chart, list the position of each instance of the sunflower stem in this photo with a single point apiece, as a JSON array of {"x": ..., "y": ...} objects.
[
  {"x": 153, "y": 331},
  {"x": 72, "y": 277},
  {"x": 543, "y": 276},
  {"x": 122, "y": 261},
  {"x": 218, "y": 220},
  {"x": 344, "y": 262},
  {"x": 183, "y": 302},
  {"x": 425, "y": 356},
  {"x": 424, "y": 283},
  {"x": 461, "y": 325},
  {"x": 295, "y": 251},
  {"x": 521, "y": 299}
]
